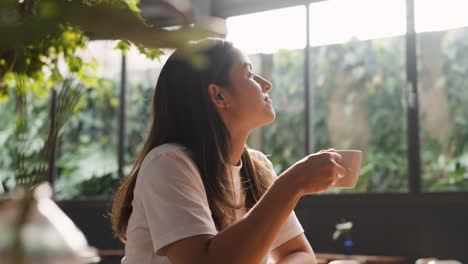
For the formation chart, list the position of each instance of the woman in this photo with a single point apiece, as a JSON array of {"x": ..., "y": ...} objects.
[{"x": 196, "y": 193}]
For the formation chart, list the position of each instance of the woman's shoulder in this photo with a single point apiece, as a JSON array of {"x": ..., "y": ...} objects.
[
  {"x": 170, "y": 151},
  {"x": 257, "y": 154},
  {"x": 165, "y": 169},
  {"x": 260, "y": 156},
  {"x": 168, "y": 148}
]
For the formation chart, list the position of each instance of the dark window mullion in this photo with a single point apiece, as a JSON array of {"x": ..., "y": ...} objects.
[
  {"x": 121, "y": 145},
  {"x": 414, "y": 165},
  {"x": 309, "y": 146},
  {"x": 52, "y": 161}
]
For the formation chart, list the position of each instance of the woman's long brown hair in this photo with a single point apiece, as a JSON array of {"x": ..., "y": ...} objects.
[{"x": 182, "y": 113}]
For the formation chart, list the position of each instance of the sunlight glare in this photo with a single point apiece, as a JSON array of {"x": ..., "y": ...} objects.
[
  {"x": 437, "y": 15},
  {"x": 338, "y": 21},
  {"x": 267, "y": 32}
]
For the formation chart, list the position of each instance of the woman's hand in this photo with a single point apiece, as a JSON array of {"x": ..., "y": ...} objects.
[{"x": 316, "y": 172}]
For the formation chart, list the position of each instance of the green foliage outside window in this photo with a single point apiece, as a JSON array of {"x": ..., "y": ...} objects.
[
  {"x": 139, "y": 100},
  {"x": 38, "y": 113},
  {"x": 373, "y": 73},
  {"x": 88, "y": 163},
  {"x": 42, "y": 35},
  {"x": 445, "y": 161},
  {"x": 284, "y": 140},
  {"x": 88, "y": 145}
]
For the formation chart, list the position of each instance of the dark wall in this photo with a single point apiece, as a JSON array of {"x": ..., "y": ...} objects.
[
  {"x": 424, "y": 225},
  {"x": 91, "y": 216}
]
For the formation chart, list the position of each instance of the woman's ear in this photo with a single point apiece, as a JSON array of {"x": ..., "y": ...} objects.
[{"x": 218, "y": 96}]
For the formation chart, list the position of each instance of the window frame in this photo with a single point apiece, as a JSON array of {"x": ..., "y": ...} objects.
[
  {"x": 241, "y": 7},
  {"x": 414, "y": 196}
]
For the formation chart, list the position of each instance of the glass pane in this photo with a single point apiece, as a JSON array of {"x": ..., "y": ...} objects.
[
  {"x": 87, "y": 154},
  {"x": 274, "y": 41},
  {"x": 437, "y": 15},
  {"x": 34, "y": 135},
  {"x": 443, "y": 96},
  {"x": 7, "y": 168},
  {"x": 339, "y": 21},
  {"x": 267, "y": 32},
  {"x": 284, "y": 139},
  {"x": 358, "y": 88},
  {"x": 142, "y": 75}
]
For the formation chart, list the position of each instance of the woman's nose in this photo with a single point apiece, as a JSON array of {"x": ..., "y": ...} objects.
[{"x": 266, "y": 85}]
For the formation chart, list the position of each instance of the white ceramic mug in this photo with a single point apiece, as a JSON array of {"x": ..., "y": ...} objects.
[{"x": 352, "y": 160}]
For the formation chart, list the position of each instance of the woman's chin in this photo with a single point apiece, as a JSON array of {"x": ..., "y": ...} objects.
[
  {"x": 267, "y": 118},
  {"x": 271, "y": 117}
]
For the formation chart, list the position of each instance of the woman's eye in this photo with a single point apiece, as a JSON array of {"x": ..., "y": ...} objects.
[{"x": 251, "y": 75}]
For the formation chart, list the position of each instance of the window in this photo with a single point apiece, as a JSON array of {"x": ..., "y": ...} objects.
[
  {"x": 87, "y": 151},
  {"x": 268, "y": 32},
  {"x": 357, "y": 87},
  {"x": 142, "y": 75},
  {"x": 340, "y": 21},
  {"x": 352, "y": 97},
  {"x": 357, "y": 81},
  {"x": 88, "y": 162},
  {"x": 22, "y": 142},
  {"x": 442, "y": 43}
]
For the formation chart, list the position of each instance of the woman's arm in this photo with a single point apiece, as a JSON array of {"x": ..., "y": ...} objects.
[
  {"x": 250, "y": 239},
  {"x": 295, "y": 250}
]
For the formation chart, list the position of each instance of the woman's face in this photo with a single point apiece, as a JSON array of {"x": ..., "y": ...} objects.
[{"x": 249, "y": 104}]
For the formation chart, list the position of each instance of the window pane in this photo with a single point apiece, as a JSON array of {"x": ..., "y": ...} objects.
[
  {"x": 87, "y": 154},
  {"x": 437, "y": 15},
  {"x": 142, "y": 75},
  {"x": 358, "y": 88},
  {"x": 284, "y": 139},
  {"x": 443, "y": 96},
  {"x": 34, "y": 135},
  {"x": 339, "y": 21},
  {"x": 266, "y": 32},
  {"x": 274, "y": 42},
  {"x": 7, "y": 135}
]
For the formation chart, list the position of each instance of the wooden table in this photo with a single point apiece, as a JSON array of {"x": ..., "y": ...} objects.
[
  {"x": 111, "y": 253},
  {"x": 323, "y": 258}
]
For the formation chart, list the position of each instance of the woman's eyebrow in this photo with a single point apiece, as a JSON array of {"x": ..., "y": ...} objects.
[{"x": 248, "y": 65}]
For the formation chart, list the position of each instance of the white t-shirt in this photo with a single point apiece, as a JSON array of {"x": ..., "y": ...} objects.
[{"x": 170, "y": 203}]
